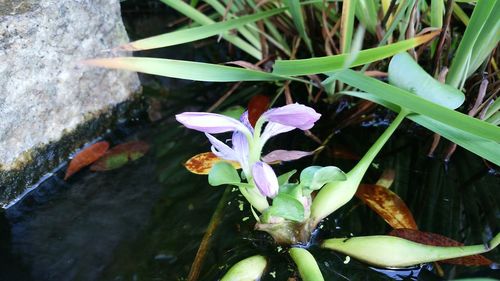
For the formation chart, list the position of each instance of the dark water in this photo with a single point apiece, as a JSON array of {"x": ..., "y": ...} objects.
[{"x": 145, "y": 221}]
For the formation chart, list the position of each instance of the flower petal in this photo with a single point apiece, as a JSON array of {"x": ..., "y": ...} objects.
[
  {"x": 265, "y": 179},
  {"x": 210, "y": 122},
  {"x": 295, "y": 115},
  {"x": 272, "y": 129},
  {"x": 244, "y": 119},
  {"x": 240, "y": 148},
  {"x": 221, "y": 149},
  {"x": 285, "y": 155}
]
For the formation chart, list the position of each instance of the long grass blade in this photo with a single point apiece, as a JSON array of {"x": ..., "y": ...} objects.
[
  {"x": 419, "y": 105},
  {"x": 254, "y": 40},
  {"x": 366, "y": 12},
  {"x": 185, "y": 69},
  {"x": 298, "y": 19},
  {"x": 202, "y": 19},
  {"x": 195, "y": 33},
  {"x": 459, "y": 65},
  {"x": 347, "y": 24},
  {"x": 487, "y": 40},
  {"x": 485, "y": 148},
  {"x": 332, "y": 63}
]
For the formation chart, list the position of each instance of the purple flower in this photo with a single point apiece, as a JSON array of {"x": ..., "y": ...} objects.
[
  {"x": 211, "y": 123},
  {"x": 279, "y": 120},
  {"x": 265, "y": 179},
  {"x": 293, "y": 115}
]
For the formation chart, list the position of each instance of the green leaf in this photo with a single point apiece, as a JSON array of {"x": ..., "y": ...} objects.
[
  {"x": 366, "y": 12},
  {"x": 326, "y": 175},
  {"x": 185, "y": 69},
  {"x": 286, "y": 206},
  {"x": 459, "y": 65},
  {"x": 486, "y": 41},
  {"x": 347, "y": 24},
  {"x": 298, "y": 20},
  {"x": 202, "y": 19},
  {"x": 227, "y": 12},
  {"x": 284, "y": 178},
  {"x": 196, "y": 33},
  {"x": 292, "y": 189},
  {"x": 485, "y": 148},
  {"x": 333, "y": 63},
  {"x": 406, "y": 73},
  {"x": 223, "y": 173},
  {"x": 419, "y": 105},
  {"x": 307, "y": 175}
]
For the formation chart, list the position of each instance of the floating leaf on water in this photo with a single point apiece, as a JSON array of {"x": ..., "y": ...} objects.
[
  {"x": 202, "y": 163},
  {"x": 86, "y": 157},
  {"x": 256, "y": 106},
  {"x": 120, "y": 155},
  {"x": 434, "y": 239},
  {"x": 387, "y": 204}
]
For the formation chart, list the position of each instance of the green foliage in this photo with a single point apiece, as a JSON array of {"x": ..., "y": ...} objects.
[
  {"x": 286, "y": 206},
  {"x": 223, "y": 173}
]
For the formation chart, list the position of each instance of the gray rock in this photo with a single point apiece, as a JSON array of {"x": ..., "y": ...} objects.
[{"x": 45, "y": 92}]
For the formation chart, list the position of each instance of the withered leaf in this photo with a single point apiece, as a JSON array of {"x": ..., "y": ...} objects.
[
  {"x": 201, "y": 164},
  {"x": 120, "y": 155},
  {"x": 86, "y": 157},
  {"x": 387, "y": 204}
]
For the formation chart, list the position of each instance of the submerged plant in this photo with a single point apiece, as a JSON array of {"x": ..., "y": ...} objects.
[{"x": 292, "y": 214}]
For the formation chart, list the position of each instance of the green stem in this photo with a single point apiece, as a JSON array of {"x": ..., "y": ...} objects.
[
  {"x": 390, "y": 251},
  {"x": 254, "y": 198},
  {"x": 334, "y": 195},
  {"x": 251, "y": 268},
  {"x": 308, "y": 268}
]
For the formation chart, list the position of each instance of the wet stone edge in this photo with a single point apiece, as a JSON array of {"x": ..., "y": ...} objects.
[{"x": 43, "y": 159}]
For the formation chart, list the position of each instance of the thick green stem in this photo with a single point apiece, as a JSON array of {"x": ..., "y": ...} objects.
[
  {"x": 253, "y": 197},
  {"x": 307, "y": 265},
  {"x": 251, "y": 268},
  {"x": 334, "y": 195},
  {"x": 390, "y": 251}
]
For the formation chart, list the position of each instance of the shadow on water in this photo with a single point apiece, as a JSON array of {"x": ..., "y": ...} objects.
[{"x": 145, "y": 221}]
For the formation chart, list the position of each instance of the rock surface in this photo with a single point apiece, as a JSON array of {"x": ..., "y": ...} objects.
[{"x": 44, "y": 92}]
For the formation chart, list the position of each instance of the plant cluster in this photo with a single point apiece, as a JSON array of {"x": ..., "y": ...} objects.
[{"x": 325, "y": 33}]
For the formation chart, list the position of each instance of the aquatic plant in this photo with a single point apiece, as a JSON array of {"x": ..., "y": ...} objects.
[
  {"x": 294, "y": 214},
  {"x": 287, "y": 209}
]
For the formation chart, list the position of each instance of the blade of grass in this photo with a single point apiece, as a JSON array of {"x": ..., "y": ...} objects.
[
  {"x": 185, "y": 69},
  {"x": 485, "y": 148},
  {"x": 419, "y": 105},
  {"x": 437, "y": 13},
  {"x": 347, "y": 24},
  {"x": 202, "y": 19},
  {"x": 277, "y": 37},
  {"x": 254, "y": 40},
  {"x": 332, "y": 63},
  {"x": 487, "y": 40},
  {"x": 366, "y": 12},
  {"x": 298, "y": 19},
  {"x": 196, "y": 33},
  {"x": 458, "y": 68},
  {"x": 460, "y": 14}
]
